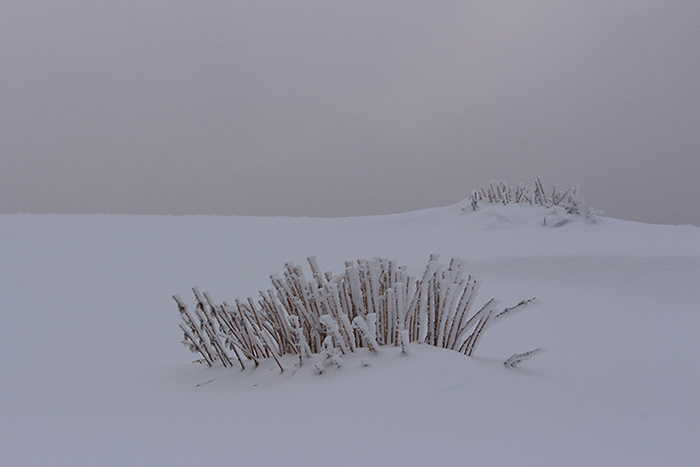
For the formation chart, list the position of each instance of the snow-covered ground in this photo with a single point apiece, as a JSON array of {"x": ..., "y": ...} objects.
[{"x": 92, "y": 371}]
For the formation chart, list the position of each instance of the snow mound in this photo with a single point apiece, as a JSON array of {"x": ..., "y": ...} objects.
[{"x": 503, "y": 217}]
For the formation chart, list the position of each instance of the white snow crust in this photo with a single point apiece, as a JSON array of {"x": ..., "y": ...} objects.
[{"x": 92, "y": 371}]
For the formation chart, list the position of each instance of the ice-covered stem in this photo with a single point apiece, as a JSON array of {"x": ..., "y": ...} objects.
[
  {"x": 302, "y": 346},
  {"x": 518, "y": 358},
  {"x": 363, "y": 324},
  {"x": 329, "y": 354},
  {"x": 333, "y": 330},
  {"x": 482, "y": 320},
  {"x": 423, "y": 316},
  {"x": 540, "y": 197},
  {"x": 193, "y": 338},
  {"x": 520, "y": 306}
]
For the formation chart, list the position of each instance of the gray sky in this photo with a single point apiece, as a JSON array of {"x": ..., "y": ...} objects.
[{"x": 340, "y": 108}]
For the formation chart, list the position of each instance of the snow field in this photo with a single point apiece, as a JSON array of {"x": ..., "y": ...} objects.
[{"x": 92, "y": 371}]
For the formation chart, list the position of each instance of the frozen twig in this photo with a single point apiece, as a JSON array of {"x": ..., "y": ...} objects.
[{"x": 517, "y": 358}]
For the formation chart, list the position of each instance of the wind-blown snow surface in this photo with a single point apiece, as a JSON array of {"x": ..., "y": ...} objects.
[{"x": 92, "y": 371}]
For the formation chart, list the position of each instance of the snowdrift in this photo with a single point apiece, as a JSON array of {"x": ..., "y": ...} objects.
[{"x": 92, "y": 371}]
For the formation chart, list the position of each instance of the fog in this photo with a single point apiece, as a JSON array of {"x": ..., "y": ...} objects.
[{"x": 320, "y": 108}]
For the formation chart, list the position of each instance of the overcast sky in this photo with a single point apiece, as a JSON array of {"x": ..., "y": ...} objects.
[{"x": 342, "y": 108}]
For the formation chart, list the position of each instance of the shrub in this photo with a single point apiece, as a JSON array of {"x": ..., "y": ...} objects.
[
  {"x": 371, "y": 304},
  {"x": 501, "y": 192}
]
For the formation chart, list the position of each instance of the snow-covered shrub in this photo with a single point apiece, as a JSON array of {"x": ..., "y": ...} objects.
[
  {"x": 567, "y": 202},
  {"x": 371, "y": 304}
]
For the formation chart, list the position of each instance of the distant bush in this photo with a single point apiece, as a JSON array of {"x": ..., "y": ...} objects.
[
  {"x": 502, "y": 193},
  {"x": 371, "y": 304}
]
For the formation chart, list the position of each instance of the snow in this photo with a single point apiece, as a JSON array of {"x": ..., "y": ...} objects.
[{"x": 92, "y": 371}]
